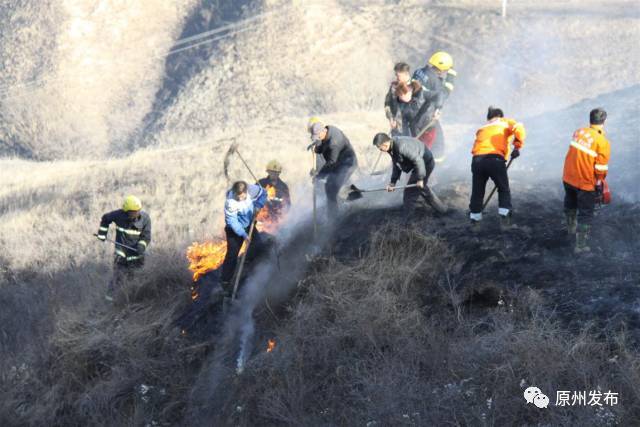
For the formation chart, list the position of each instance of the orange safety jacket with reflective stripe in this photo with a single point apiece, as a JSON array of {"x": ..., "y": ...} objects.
[
  {"x": 587, "y": 159},
  {"x": 495, "y": 136}
]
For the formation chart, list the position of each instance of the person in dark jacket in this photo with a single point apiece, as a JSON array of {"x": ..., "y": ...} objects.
[
  {"x": 437, "y": 79},
  {"x": 133, "y": 235},
  {"x": 391, "y": 108},
  {"x": 339, "y": 159},
  {"x": 413, "y": 105},
  {"x": 279, "y": 202},
  {"x": 242, "y": 204},
  {"x": 409, "y": 155}
]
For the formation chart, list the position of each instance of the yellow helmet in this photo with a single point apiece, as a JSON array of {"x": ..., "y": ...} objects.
[
  {"x": 274, "y": 166},
  {"x": 312, "y": 121},
  {"x": 131, "y": 203},
  {"x": 441, "y": 60}
]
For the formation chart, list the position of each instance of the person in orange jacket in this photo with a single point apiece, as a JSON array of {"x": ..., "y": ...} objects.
[
  {"x": 585, "y": 166},
  {"x": 490, "y": 151}
]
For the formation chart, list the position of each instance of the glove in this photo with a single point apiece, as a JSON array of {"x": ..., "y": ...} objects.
[
  {"x": 101, "y": 237},
  {"x": 515, "y": 153},
  {"x": 599, "y": 187},
  {"x": 140, "y": 248}
]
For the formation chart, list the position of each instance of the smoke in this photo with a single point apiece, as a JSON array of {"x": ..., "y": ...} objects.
[{"x": 269, "y": 282}]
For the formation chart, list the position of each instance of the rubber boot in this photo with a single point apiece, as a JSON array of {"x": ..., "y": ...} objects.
[
  {"x": 582, "y": 236},
  {"x": 505, "y": 221},
  {"x": 571, "y": 219}
]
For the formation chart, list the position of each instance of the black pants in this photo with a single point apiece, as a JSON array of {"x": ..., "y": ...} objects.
[
  {"x": 234, "y": 244},
  {"x": 491, "y": 166},
  {"x": 410, "y": 196},
  {"x": 123, "y": 271},
  {"x": 335, "y": 180},
  {"x": 582, "y": 201}
]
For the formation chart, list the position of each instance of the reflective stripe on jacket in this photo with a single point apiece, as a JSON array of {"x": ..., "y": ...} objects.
[
  {"x": 128, "y": 232},
  {"x": 494, "y": 137},
  {"x": 587, "y": 159}
]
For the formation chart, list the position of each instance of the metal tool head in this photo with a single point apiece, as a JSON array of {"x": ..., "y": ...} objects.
[
  {"x": 355, "y": 193},
  {"x": 227, "y": 159}
]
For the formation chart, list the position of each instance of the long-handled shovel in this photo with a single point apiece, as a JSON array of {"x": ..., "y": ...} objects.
[
  {"x": 355, "y": 193},
  {"x": 495, "y": 187},
  {"x": 313, "y": 183},
  {"x": 118, "y": 244},
  {"x": 233, "y": 149},
  {"x": 242, "y": 259}
]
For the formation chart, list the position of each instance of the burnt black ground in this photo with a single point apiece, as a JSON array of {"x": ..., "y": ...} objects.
[{"x": 601, "y": 288}]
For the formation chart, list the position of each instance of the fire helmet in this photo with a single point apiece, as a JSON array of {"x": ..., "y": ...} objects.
[
  {"x": 274, "y": 166},
  {"x": 441, "y": 60},
  {"x": 131, "y": 203}
]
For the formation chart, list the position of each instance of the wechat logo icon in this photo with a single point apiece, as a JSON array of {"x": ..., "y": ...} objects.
[{"x": 534, "y": 395}]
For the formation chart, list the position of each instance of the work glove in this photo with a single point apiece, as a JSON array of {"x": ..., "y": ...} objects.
[
  {"x": 515, "y": 153},
  {"x": 599, "y": 188},
  {"x": 101, "y": 237},
  {"x": 140, "y": 248}
]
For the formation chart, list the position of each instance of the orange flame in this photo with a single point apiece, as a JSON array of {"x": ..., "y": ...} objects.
[
  {"x": 271, "y": 344},
  {"x": 206, "y": 257},
  {"x": 209, "y": 256},
  {"x": 266, "y": 220}
]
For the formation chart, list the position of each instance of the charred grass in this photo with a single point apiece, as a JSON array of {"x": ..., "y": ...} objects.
[{"x": 388, "y": 337}]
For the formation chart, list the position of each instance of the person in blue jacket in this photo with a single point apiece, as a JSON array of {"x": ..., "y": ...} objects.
[{"x": 242, "y": 204}]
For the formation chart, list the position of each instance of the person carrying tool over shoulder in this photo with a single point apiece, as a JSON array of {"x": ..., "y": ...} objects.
[
  {"x": 409, "y": 155},
  {"x": 585, "y": 167},
  {"x": 279, "y": 202},
  {"x": 490, "y": 151},
  {"x": 133, "y": 236},
  {"x": 437, "y": 79},
  {"x": 242, "y": 204},
  {"x": 339, "y": 159},
  {"x": 403, "y": 75}
]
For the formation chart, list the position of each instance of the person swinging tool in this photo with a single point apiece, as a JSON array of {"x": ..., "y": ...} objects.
[
  {"x": 585, "y": 168},
  {"x": 409, "y": 155},
  {"x": 279, "y": 202},
  {"x": 133, "y": 236},
  {"x": 339, "y": 159},
  {"x": 490, "y": 151},
  {"x": 242, "y": 204}
]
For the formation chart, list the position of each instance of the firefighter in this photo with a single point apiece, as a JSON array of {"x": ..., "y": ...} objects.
[
  {"x": 585, "y": 166},
  {"x": 437, "y": 79},
  {"x": 242, "y": 204},
  {"x": 403, "y": 75},
  {"x": 133, "y": 236},
  {"x": 339, "y": 159},
  {"x": 490, "y": 151},
  {"x": 280, "y": 202},
  {"x": 409, "y": 155}
]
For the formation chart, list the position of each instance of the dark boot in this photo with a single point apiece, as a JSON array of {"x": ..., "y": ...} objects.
[
  {"x": 582, "y": 237},
  {"x": 571, "y": 220},
  {"x": 505, "y": 221}
]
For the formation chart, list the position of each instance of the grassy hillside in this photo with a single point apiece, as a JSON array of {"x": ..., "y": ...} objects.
[{"x": 374, "y": 324}]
